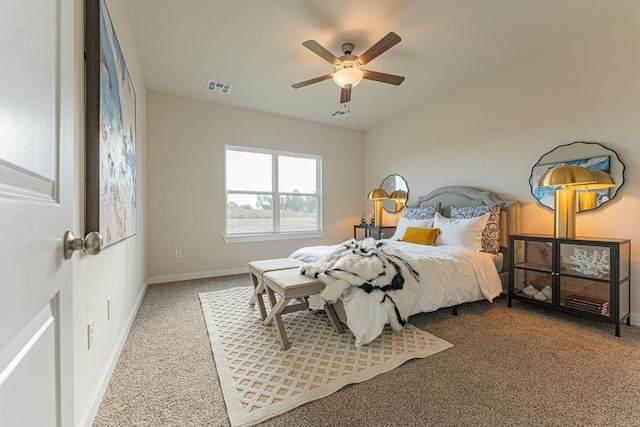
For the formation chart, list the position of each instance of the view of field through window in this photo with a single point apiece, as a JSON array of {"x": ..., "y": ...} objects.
[{"x": 251, "y": 196}]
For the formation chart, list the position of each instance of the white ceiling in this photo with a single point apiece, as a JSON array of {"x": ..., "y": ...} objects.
[{"x": 255, "y": 45}]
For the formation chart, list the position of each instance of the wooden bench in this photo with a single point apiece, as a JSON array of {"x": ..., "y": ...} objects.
[
  {"x": 290, "y": 284},
  {"x": 257, "y": 270}
]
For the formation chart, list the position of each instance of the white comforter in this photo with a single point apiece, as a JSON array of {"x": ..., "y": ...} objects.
[{"x": 449, "y": 275}]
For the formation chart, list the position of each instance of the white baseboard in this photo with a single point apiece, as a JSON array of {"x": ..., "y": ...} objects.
[
  {"x": 197, "y": 275},
  {"x": 106, "y": 376}
]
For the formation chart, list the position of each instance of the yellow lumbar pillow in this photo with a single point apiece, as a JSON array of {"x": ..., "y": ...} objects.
[{"x": 422, "y": 236}]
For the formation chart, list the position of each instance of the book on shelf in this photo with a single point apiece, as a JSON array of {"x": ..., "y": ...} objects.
[
  {"x": 586, "y": 308},
  {"x": 588, "y": 300},
  {"x": 592, "y": 305}
]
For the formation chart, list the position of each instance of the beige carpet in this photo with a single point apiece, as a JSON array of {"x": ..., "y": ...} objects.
[
  {"x": 260, "y": 380},
  {"x": 524, "y": 366}
]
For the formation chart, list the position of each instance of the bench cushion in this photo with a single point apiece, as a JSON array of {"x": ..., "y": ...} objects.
[
  {"x": 291, "y": 284},
  {"x": 262, "y": 266}
]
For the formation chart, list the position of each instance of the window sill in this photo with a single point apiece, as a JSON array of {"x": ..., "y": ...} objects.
[{"x": 264, "y": 237}]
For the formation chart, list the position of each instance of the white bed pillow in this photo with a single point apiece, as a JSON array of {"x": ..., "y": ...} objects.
[
  {"x": 404, "y": 223},
  {"x": 466, "y": 233}
]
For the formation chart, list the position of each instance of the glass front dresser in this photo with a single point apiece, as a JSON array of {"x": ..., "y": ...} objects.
[{"x": 586, "y": 276}]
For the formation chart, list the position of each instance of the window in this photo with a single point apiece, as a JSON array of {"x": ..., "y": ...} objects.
[{"x": 271, "y": 194}]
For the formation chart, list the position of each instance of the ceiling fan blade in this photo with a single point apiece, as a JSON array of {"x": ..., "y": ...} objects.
[
  {"x": 383, "y": 77},
  {"x": 387, "y": 42},
  {"x": 345, "y": 95},
  {"x": 315, "y": 47},
  {"x": 311, "y": 81}
]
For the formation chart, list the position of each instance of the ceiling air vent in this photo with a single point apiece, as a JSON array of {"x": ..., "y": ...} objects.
[
  {"x": 340, "y": 114},
  {"x": 218, "y": 87}
]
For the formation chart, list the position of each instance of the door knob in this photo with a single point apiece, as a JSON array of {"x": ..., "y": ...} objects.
[{"x": 91, "y": 244}]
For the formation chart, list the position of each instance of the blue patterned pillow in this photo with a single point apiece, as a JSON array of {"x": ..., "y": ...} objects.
[
  {"x": 491, "y": 233},
  {"x": 421, "y": 212}
]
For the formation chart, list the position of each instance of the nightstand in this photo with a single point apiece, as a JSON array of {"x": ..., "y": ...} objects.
[{"x": 377, "y": 232}]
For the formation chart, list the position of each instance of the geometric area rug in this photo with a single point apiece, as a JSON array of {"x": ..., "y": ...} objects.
[{"x": 260, "y": 380}]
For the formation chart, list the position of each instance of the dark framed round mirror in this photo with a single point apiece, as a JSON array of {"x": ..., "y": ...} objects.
[
  {"x": 398, "y": 191},
  {"x": 593, "y": 156}
]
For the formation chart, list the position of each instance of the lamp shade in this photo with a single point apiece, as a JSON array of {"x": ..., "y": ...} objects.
[
  {"x": 348, "y": 77},
  {"x": 603, "y": 180},
  {"x": 566, "y": 175},
  {"x": 377, "y": 194},
  {"x": 398, "y": 195}
]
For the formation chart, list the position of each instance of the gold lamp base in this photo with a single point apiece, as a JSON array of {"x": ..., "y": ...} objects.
[
  {"x": 378, "y": 213},
  {"x": 565, "y": 214}
]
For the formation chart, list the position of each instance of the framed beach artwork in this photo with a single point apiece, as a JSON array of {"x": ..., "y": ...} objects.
[
  {"x": 110, "y": 131},
  {"x": 545, "y": 194}
]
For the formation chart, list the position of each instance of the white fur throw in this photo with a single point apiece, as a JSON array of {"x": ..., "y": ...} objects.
[{"x": 377, "y": 269}]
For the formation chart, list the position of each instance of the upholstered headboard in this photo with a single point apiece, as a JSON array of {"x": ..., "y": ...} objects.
[{"x": 510, "y": 220}]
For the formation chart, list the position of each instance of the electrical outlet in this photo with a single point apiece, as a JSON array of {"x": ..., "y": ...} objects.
[
  {"x": 178, "y": 253},
  {"x": 108, "y": 308},
  {"x": 90, "y": 335}
]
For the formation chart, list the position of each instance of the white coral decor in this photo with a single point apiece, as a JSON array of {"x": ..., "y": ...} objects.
[{"x": 596, "y": 264}]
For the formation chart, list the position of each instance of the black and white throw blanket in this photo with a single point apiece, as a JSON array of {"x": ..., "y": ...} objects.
[{"x": 375, "y": 267}]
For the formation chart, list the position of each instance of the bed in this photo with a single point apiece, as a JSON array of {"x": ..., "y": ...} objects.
[{"x": 364, "y": 275}]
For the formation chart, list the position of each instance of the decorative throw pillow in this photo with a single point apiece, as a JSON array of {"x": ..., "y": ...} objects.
[
  {"x": 466, "y": 233},
  {"x": 421, "y": 236},
  {"x": 421, "y": 212},
  {"x": 491, "y": 233},
  {"x": 404, "y": 223}
]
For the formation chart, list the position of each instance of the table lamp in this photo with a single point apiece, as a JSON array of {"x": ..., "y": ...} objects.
[
  {"x": 567, "y": 177},
  {"x": 377, "y": 195}
]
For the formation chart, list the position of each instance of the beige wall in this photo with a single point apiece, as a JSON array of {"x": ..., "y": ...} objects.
[
  {"x": 186, "y": 188},
  {"x": 119, "y": 272},
  {"x": 491, "y": 133}
]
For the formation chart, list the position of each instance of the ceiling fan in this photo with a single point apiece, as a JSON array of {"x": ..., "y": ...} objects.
[{"x": 348, "y": 70}]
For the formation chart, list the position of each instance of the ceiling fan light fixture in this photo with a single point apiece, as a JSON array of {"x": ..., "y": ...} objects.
[
  {"x": 348, "y": 77},
  {"x": 347, "y": 69}
]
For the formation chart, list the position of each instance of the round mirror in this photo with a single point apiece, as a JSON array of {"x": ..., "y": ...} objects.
[
  {"x": 398, "y": 191},
  {"x": 591, "y": 155}
]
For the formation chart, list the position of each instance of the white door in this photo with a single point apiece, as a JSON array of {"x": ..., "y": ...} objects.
[{"x": 36, "y": 197}]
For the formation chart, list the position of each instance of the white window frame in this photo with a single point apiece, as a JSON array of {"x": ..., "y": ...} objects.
[{"x": 276, "y": 234}]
